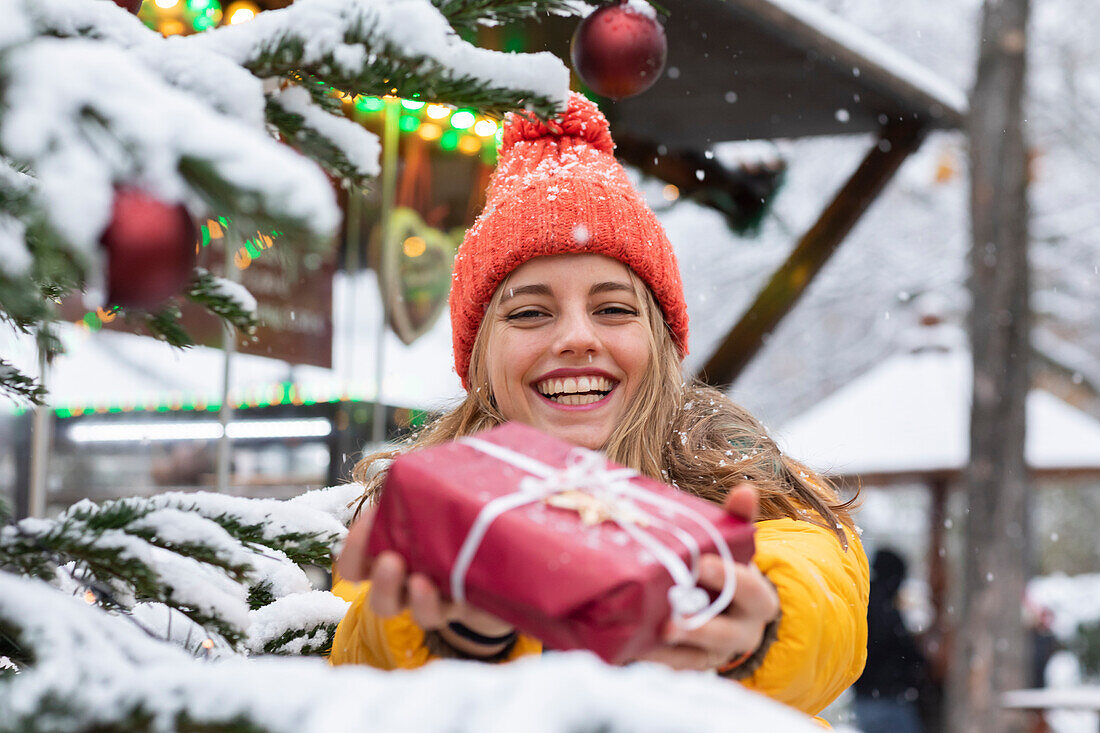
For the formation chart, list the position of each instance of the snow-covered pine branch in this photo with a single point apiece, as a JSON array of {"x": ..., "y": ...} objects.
[
  {"x": 210, "y": 557},
  {"x": 92, "y": 102},
  {"x": 95, "y": 671},
  {"x": 224, "y": 298},
  {"x": 468, "y": 14},
  {"x": 15, "y": 383},
  {"x": 28, "y": 246},
  {"x": 277, "y": 627},
  {"x": 315, "y": 127},
  {"x": 400, "y": 47},
  {"x": 84, "y": 115}
]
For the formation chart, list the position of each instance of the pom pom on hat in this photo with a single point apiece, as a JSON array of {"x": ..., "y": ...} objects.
[
  {"x": 558, "y": 190},
  {"x": 583, "y": 120}
]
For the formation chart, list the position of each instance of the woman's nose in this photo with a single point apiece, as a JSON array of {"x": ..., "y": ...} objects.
[{"x": 576, "y": 334}]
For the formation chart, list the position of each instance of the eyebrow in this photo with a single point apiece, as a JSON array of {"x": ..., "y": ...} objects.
[{"x": 544, "y": 289}]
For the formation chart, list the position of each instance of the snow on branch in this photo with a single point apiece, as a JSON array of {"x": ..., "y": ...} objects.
[
  {"x": 400, "y": 47},
  {"x": 278, "y": 627},
  {"x": 98, "y": 672},
  {"x": 306, "y": 535},
  {"x": 224, "y": 298},
  {"x": 110, "y": 555},
  {"x": 99, "y": 21},
  {"x": 210, "y": 77},
  {"x": 208, "y": 556},
  {"x": 85, "y": 115},
  {"x": 34, "y": 616},
  {"x": 13, "y": 382},
  {"x": 468, "y": 14},
  {"x": 337, "y": 501},
  {"x": 345, "y": 148}
]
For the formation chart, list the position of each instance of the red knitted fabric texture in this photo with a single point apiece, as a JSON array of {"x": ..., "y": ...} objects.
[{"x": 558, "y": 189}]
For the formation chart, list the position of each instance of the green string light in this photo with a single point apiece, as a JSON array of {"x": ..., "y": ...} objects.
[
  {"x": 203, "y": 14},
  {"x": 448, "y": 140},
  {"x": 369, "y": 104},
  {"x": 409, "y": 123}
]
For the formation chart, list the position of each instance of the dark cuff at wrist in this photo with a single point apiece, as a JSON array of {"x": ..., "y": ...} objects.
[
  {"x": 460, "y": 629},
  {"x": 754, "y": 661},
  {"x": 438, "y": 646}
]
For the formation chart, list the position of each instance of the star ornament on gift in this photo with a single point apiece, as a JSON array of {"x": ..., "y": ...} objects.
[{"x": 597, "y": 510}]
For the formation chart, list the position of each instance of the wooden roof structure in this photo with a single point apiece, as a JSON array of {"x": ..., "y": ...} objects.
[{"x": 907, "y": 420}]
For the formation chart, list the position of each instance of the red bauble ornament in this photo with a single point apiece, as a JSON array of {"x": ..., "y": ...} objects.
[
  {"x": 150, "y": 248},
  {"x": 619, "y": 50},
  {"x": 132, "y": 6}
]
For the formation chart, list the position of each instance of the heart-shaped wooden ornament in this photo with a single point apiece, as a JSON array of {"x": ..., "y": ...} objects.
[{"x": 416, "y": 273}]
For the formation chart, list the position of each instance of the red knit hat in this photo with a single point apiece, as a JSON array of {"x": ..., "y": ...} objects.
[{"x": 559, "y": 190}]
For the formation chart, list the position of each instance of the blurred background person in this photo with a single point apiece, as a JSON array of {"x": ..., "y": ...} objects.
[{"x": 887, "y": 691}]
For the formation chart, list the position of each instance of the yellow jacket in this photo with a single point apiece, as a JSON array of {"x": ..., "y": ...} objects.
[{"x": 820, "y": 649}]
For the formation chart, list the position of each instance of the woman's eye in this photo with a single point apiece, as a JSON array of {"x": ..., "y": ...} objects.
[
  {"x": 617, "y": 310},
  {"x": 528, "y": 314}
]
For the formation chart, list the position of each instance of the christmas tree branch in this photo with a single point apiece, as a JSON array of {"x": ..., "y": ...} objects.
[
  {"x": 88, "y": 143},
  {"x": 79, "y": 19},
  {"x": 225, "y": 299},
  {"x": 165, "y": 326},
  {"x": 405, "y": 49},
  {"x": 314, "y": 125},
  {"x": 468, "y": 14},
  {"x": 20, "y": 386},
  {"x": 299, "y": 624},
  {"x": 125, "y": 561},
  {"x": 35, "y": 266}
]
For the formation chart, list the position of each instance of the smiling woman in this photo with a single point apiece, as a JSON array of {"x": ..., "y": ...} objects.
[
  {"x": 567, "y": 346},
  {"x": 568, "y": 314}
]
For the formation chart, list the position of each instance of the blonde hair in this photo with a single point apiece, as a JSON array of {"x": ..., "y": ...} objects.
[{"x": 686, "y": 434}]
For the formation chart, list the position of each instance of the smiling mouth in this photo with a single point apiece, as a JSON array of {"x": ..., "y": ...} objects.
[{"x": 574, "y": 391}]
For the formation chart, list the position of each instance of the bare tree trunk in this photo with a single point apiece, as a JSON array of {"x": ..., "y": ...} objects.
[{"x": 992, "y": 649}]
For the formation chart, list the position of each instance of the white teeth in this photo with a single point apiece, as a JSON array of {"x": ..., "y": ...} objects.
[
  {"x": 575, "y": 386},
  {"x": 577, "y": 399}
]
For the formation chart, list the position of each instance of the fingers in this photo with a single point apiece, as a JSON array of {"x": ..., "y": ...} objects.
[
  {"x": 739, "y": 629},
  {"x": 682, "y": 657},
  {"x": 754, "y": 597},
  {"x": 743, "y": 501},
  {"x": 354, "y": 564},
  {"x": 393, "y": 590},
  {"x": 388, "y": 580},
  {"x": 427, "y": 605},
  {"x": 719, "y": 639}
]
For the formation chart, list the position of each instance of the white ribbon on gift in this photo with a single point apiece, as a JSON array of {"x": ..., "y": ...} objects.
[{"x": 587, "y": 472}]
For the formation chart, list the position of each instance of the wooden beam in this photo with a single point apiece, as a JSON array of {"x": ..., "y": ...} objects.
[{"x": 813, "y": 250}]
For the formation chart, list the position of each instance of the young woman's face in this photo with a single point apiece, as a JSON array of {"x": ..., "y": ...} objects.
[{"x": 568, "y": 346}]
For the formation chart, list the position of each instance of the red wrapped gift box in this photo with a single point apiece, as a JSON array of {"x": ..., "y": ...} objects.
[{"x": 559, "y": 574}]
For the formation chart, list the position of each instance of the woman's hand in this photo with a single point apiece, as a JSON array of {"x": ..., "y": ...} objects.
[
  {"x": 394, "y": 589},
  {"x": 737, "y": 630}
]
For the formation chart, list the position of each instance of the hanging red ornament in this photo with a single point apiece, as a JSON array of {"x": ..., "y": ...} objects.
[
  {"x": 150, "y": 247},
  {"x": 619, "y": 50},
  {"x": 132, "y": 6}
]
